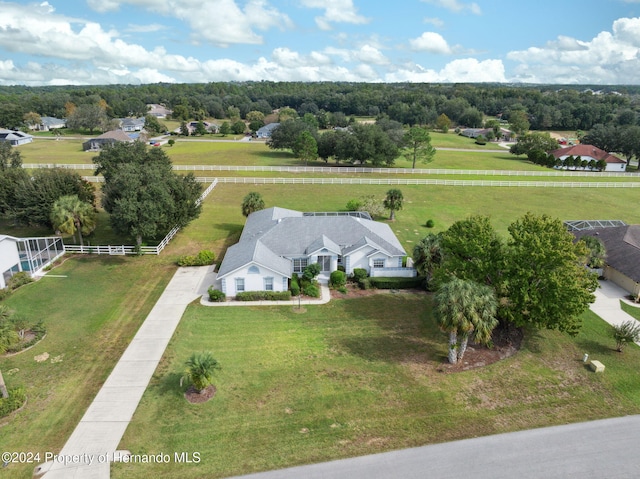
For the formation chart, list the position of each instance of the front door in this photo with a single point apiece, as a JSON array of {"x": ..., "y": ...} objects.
[{"x": 325, "y": 263}]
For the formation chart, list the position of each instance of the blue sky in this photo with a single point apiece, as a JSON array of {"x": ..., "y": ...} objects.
[{"x": 59, "y": 42}]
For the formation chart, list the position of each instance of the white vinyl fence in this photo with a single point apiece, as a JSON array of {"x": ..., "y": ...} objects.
[
  {"x": 124, "y": 250},
  {"x": 353, "y": 169}
]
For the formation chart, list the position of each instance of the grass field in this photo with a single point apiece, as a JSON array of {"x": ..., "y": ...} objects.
[
  {"x": 91, "y": 313},
  {"x": 354, "y": 377}
]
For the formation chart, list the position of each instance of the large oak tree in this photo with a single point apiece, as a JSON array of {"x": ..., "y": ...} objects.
[{"x": 143, "y": 196}]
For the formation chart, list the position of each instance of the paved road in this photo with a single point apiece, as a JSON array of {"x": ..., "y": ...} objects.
[{"x": 591, "y": 450}]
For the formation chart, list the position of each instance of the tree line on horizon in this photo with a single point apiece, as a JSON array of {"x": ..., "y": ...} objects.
[{"x": 546, "y": 107}]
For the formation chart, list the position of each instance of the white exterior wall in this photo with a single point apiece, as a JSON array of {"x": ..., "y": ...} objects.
[
  {"x": 616, "y": 167},
  {"x": 9, "y": 257},
  {"x": 253, "y": 281},
  {"x": 358, "y": 259}
]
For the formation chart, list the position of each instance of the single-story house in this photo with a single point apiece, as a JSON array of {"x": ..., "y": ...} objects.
[
  {"x": 476, "y": 132},
  {"x": 27, "y": 254},
  {"x": 15, "y": 137},
  {"x": 108, "y": 138},
  {"x": 590, "y": 152},
  {"x": 158, "y": 111},
  {"x": 131, "y": 124},
  {"x": 210, "y": 127},
  {"x": 277, "y": 242},
  {"x": 266, "y": 130},
  {"x": 50, "y": 123},
  {"x": 622, "y": 244}
]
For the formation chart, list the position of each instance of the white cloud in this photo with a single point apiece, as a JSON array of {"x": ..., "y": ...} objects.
[
  {"x": 436, "y": 22},
  {"x": 430, "y": 42},
  {"x": 456, "y": 6},
  {"x": 335, "y": 11},
  {"x": 153, "y": 27},
  {"x": 221, "y": 22},
  {"x": 370, "y": 55},
  {"x": 609, "y": 57},
  {"x": 462, "y": 70}
]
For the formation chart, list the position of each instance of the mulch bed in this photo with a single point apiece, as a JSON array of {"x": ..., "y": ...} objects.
[
  {"x": 196, "y": 397},
  {"x": 506, "y": 342}
]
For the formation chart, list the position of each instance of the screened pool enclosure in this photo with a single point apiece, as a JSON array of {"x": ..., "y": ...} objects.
[{"x": 31, "y": 255}]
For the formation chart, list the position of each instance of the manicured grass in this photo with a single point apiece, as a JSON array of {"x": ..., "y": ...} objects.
[
  {"x": 354, "y": 377},
  {"x": 221, "y": 221},
  {"x": 52, "y": 151},
  {"x": 91, "y": 314},
  {"x": 453, "y": 140},
  {"x": 633, "y": 311}
]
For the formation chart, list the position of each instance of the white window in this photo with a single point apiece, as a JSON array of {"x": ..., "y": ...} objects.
[
  {"x": 299, "y": 264},
  {"x": 378, "y": 263},
  {"x": 268, "y": 284},
  {"x": 239, "y": 285}
]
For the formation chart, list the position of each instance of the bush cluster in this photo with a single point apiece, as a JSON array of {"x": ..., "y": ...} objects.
[
  {"x": 295, "y": 285},
  {"x": 203, "y": 258},
  {"x": 216, "y": 295},
  {"x": 395, "y": 283},
  {"x": 263, "y": 296},
  {"x": 337, "y": 279},
  {"x": 19, "y": 279},
  {"x": 359, "y": 276},
  {"x": 16, "y": 399},
  {"x": 312, "y": 290}
]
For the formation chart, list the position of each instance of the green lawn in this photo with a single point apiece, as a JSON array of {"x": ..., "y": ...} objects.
[
  {"x": 91, "y": 314},
  {"x": 52, "y": 151},
  {"x": 221, "y": 221},
  {"x": 354, "y": 377}
]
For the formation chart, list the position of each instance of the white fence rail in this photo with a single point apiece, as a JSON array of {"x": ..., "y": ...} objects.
[
  {"x": 351, "y": 169},
  {"x": 124, "y": 250},
  {"x": 417, "y": 181}
]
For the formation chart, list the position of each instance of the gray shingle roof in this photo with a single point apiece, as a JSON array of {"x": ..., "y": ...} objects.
[
  {"x": 623, "y": 247},
  {"x": 272, "y": 235}
]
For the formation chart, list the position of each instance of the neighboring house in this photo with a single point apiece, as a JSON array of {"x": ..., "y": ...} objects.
[
  {"x": 210, "y": 127},
  {"x": 131, "y": 124},
  {"x": 276, "y": 243},
  {"x": 476, "y": 132},
  {"x": 27, "y": 254},
  {"x": 590, "y": 152},
  {"x": 622, "y": 244},
  {"x": 158, "y": 111},
  {"x": 266, "y": 130},
  {"x": 15, "y": 137},
  {"x": 50, "y": 123},
  {"x": 108, "y": 138}
]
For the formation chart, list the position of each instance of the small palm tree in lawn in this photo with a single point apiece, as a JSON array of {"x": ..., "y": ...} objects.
[
  {"x": 393, "y": 202},
  {"x": 252, "y": 202},
  {"x": 70, "y": 215},
  {"x": 200, "y": 369},
  {"x": 466, "y": 310},
  {"x": 627, "y": 332}
]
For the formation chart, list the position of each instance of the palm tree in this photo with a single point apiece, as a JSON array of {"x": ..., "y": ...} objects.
[
  {"x": 427, "y": 255},
  {"x": 466, "y": 310},
  {"x": 627, "y": 332},
  {"x": 252, "y": 202},
  {"x": 393, "y": 202},
  {"x": 70, "y": 215},
  {"x": 597, "y": 252},
  {"x": 200, "y": 369}
]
